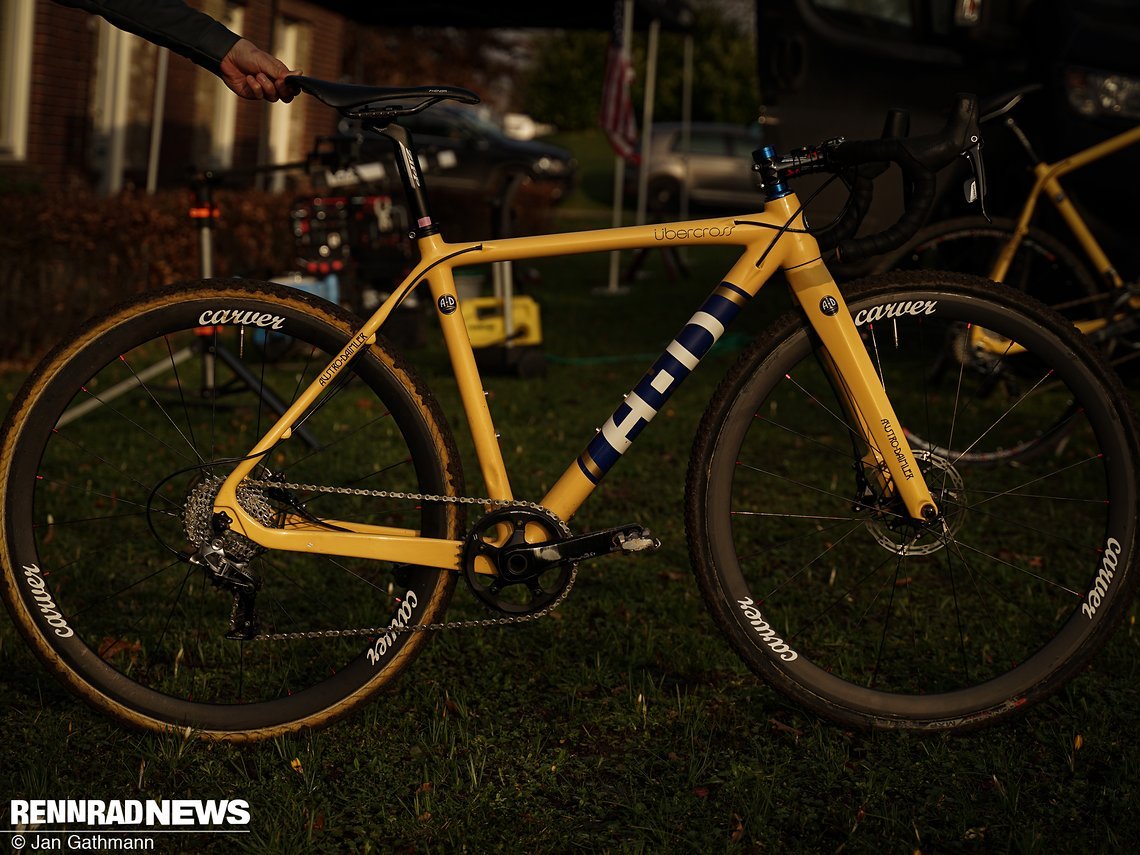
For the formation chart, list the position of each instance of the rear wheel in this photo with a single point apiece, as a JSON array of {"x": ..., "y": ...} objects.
[
  {"x": 111, "y": 457},
  {"x": 826, "y": 587}
]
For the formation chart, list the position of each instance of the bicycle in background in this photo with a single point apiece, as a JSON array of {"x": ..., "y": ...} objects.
[{"x": 1089, "y": 291}]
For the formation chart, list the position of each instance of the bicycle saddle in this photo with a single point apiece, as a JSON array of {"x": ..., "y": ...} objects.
[
  {"x": 999, "y": 105},
  {"x": 346, "y": 97}
]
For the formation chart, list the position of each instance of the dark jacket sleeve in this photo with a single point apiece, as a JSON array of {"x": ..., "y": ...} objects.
[{"x": 169, "y": 23}]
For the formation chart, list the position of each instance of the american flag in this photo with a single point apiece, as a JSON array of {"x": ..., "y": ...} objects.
[{"x": 617, "y": 107}]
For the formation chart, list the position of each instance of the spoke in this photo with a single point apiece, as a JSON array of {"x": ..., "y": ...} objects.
[
  {"x": 1013, "y": 491},
  {"x": 814, "y": 532},
  {"x": 195, "y": 458},
  {"x": 174, "y": 604},
  {"x": 811, "y": 562},
  {"x": 142, "y": 383},
  {"x": 118, "y": 592},
  {"x": 1045, "y": 533},
  {"x": 958, "y": 619},
  {"x": 790, "y": 516},
  {"x": 1045, "y": 497},
  {"x": 105, "y": 518},
  {"x": 338, "y": 441},
  {"x": 955, "y": 547},
  {"x": 1001, "y": 418},
  {"x": 841, "y": 597},
  {"x": 144, "y": 487},
  {"x": 886, "y": 625},
  {"x": 811, "y": 397},
  {"x": 829, "y": 448},
  {"x": 181, "y": 392},
  {"x": 1023, "y": 570},
  {"x": 87, "y": 491},
  {"x": 813, "y": 489}
]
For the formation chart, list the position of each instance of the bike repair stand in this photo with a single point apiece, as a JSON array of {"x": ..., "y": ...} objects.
[{"x": 204, "y": 212}]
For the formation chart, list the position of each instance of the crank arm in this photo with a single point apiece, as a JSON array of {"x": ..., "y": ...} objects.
[{"x": 543, "y": 556}]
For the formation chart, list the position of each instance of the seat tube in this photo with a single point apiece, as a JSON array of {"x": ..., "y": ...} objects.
[{"x": 859, "y": 387}]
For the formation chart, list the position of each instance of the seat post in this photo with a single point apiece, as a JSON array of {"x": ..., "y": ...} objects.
[{"x": 408, "y": 165}]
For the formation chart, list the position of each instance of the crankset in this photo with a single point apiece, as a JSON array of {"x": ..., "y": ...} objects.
[{"x": 511, "y": 573}]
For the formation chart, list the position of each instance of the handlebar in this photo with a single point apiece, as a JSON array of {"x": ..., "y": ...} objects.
[{"x": 861, "y": 161}]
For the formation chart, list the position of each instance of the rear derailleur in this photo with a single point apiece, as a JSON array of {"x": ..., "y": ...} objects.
[{"x": 233, "y": 576}]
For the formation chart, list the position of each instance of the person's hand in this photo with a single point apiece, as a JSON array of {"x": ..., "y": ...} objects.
[{"x": 252, "y": 73}]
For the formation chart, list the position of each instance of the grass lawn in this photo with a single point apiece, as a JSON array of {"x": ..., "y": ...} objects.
[{"x": 623, "y": 722}]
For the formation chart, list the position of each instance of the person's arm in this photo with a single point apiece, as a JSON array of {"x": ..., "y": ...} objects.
[
  {"x": 242, "y": 66},
  {"x": 169, "y": 23}
]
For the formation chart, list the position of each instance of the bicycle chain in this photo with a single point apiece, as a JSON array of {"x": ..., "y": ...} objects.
[{"x": 478, "y": 623}]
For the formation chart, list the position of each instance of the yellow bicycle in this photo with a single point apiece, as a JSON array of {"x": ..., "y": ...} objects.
[
  {"x": 268, "y": 557},
  {"x": 1090, "y": 292}
]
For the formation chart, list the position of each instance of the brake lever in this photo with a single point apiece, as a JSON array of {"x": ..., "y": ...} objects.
[{"x": 974, "y": 187}]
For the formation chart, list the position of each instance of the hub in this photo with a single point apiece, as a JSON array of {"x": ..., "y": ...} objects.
[{"x": 901, "y": 535}]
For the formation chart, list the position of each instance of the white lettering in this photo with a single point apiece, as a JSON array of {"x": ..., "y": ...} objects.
[
  {"x": 129, "y": 812},
  {"x": 401, "y": 620},
  {"x": 44, "y": 602},
  {"x": 1099, "y": 590},
  {"x": 895, "y": 310},
  {"x": 618, "y": 435},
  {"x": 776, "y": 644},
  {"x": 223, "y": 317}
]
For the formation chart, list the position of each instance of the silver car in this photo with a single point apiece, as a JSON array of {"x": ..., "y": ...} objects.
[{"x": 716, "y": 168}]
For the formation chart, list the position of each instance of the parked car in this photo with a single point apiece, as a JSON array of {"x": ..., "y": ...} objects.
[
  {"x": 464, "y": 150},
  {"x": 715, "y": 169}
]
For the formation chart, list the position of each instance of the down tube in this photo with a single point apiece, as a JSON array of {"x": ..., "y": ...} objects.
[{"x": 682, "y": 355}]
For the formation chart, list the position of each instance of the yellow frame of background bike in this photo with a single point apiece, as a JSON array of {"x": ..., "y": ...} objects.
[
  {"x": 1047, "y": 184},
  {"x": 771, "y": 241}
]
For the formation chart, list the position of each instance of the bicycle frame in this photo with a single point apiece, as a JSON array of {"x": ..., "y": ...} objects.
[
  {"x": 1047, "y": 184},
  {"x": 773, "y": 240}
]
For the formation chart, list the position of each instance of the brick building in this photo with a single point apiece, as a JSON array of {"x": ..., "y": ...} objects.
[{"x": 79, "y": 99}]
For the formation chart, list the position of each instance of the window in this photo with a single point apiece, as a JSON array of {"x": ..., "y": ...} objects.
[
  {"x": 110, "y": 105},
  {"x": 286, "y": 125},
  {"x": 16, "y": 18},
  {"x": 223, "y": 127}
]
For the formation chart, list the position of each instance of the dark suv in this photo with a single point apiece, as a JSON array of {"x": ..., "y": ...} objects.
[
  {"x": 487, "y": 182},
  {"x": 463, "y": 150}
]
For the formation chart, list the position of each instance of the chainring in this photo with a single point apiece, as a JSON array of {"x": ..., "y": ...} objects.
[{"x": 515, "y": 590}]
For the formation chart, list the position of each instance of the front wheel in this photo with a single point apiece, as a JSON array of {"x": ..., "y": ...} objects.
[
  {"x": 111, "y": 458},
  {"x": 823, "y": 584}
]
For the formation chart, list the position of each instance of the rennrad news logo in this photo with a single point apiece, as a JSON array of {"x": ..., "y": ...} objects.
[{"x": 185, "y": 814}]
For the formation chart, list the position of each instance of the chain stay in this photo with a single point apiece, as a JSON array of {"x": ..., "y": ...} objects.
[{"x": 480, "y": 623}]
